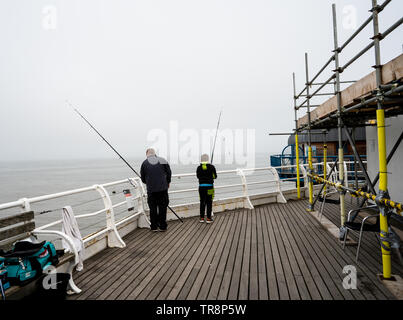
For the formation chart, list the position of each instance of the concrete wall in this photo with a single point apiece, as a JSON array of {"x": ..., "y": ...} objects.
[{"x": 394, "y": 127}]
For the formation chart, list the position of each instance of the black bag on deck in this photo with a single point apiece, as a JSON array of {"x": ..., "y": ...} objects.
[{"x": 57, "y": 291}]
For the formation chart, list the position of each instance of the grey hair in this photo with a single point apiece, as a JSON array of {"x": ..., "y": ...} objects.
[
  {"x": 204, "y": 157},
  {"x": 150, "y": 152}
]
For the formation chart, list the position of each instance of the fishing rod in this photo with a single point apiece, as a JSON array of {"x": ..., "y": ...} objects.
[
  {"x": 120, "y": 156},
  {"x": 215, "y": 138}
]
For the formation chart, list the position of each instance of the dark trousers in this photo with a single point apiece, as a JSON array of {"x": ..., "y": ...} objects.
[
  {"x": 158, "y": 203},
  {"x": 206, "y": 200}
]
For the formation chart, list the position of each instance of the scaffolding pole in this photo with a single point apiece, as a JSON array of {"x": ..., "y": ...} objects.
[
  {"x": 308, "y": 110},
  {"x": 339, "y": 123},
  {"x": 383, "y": 170},
  {"x": 324, "y": 160},
  {"x": 296, "y": 141}
]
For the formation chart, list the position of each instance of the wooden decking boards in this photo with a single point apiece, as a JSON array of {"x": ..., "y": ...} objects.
[{"x": 276, "y": 251}]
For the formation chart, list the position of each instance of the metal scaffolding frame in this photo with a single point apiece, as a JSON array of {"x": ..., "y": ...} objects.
[{"x": 383, "y": 94}]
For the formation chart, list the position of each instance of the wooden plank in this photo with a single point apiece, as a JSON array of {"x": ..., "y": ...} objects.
[
  {"x": 157, "y": 282},
  {"x": 107, "y": 258},
  {"x": 270, "y": 268},
  {"x": 195, "y": 273},
  {"x": 333, "y": 264},
  {"x": 236, "y": 272},
  {"x": 306, "y": 285},
  {"x": 179, "y": 278},
  {"x": 224, "y": 260},
  {"x": 280, "y": 276},
  {"x": 138, "y": 280},
  {"x": 213, "y": 269},
  {"x": 253, "y": 268},
  {"x": 244, "y": 279},
  {"x": 307, "y": 240},
  {"x": 261, "y": 265},
  {"x": 310, "y": 263},
  {"x": 197, "y": 285},
  {"x": 17, "y": 218},
  {"x": 119, "y": 278},
  {"x": 289, "y": 277},
  {"x": 97, "y": 276},
  {"x": 12, "y": 232},
  {"x": 226, "y": 279}
]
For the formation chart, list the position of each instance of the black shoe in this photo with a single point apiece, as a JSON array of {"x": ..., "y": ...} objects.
[
  {"x": 154, "y": 230},
  {"x": 162, "y": 230}
]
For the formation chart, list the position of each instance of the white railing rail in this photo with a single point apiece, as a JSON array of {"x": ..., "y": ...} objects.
[
  {"x": 25, "y": 203},
  {"x": 108, "y": 210}
]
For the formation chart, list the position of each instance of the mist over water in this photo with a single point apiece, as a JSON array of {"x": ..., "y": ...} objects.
[{"x": 34, "y": 178}]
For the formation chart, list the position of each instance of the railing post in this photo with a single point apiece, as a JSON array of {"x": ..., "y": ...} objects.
[
  {"x": 143, "y": 221},
  {"x": 73, "y": 250},
  {"x": 280, "y": 196},
  {"x": 114, "y": 239},
  {"x": 247, "y": 203},
  {"x": 26, "y": 206},
  {"x": 305, "y": 176}
]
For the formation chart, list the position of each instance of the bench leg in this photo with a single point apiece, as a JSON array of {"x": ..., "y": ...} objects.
[{"x": 72, "y": 285}]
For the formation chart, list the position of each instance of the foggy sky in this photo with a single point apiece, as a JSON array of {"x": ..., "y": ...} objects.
[{"x": 132, "y": 66}]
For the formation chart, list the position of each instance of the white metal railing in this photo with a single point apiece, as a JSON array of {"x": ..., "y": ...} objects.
[
  {"x": 271, "y": 184},
  {"x": 108, "y": 209}
]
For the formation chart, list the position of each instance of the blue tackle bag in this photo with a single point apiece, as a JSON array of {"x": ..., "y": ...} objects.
[
  {"x": 27, "y": 260},
  {"x": 4, "y": 284}
]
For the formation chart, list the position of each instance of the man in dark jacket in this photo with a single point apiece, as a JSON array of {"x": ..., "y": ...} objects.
[
  {"x": 206, "y": 174},
  {"x": 156, "y": 174}
]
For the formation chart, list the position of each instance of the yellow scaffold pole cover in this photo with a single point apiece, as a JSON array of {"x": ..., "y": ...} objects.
[
  {"x": 297, "y": 164},
  {"x": 324, "y": 166},
  {"x": 310, "y": 180},
  {"x": 383, "y": 187},
  {"x": 341, "y": 178}
]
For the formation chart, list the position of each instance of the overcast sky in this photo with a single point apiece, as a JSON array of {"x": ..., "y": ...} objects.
[{"x": 133, "y": 66}]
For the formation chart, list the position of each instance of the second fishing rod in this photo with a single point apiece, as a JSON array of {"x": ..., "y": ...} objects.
[{"x": 215, "y": 138}]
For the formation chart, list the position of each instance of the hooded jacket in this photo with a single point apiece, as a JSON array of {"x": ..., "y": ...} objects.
[
  {"x": 156, "y": 174},
  {"x": 206, "y": 173}
]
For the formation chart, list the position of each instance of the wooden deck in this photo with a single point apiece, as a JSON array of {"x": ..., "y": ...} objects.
[{"x": 276, "y": 251}]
